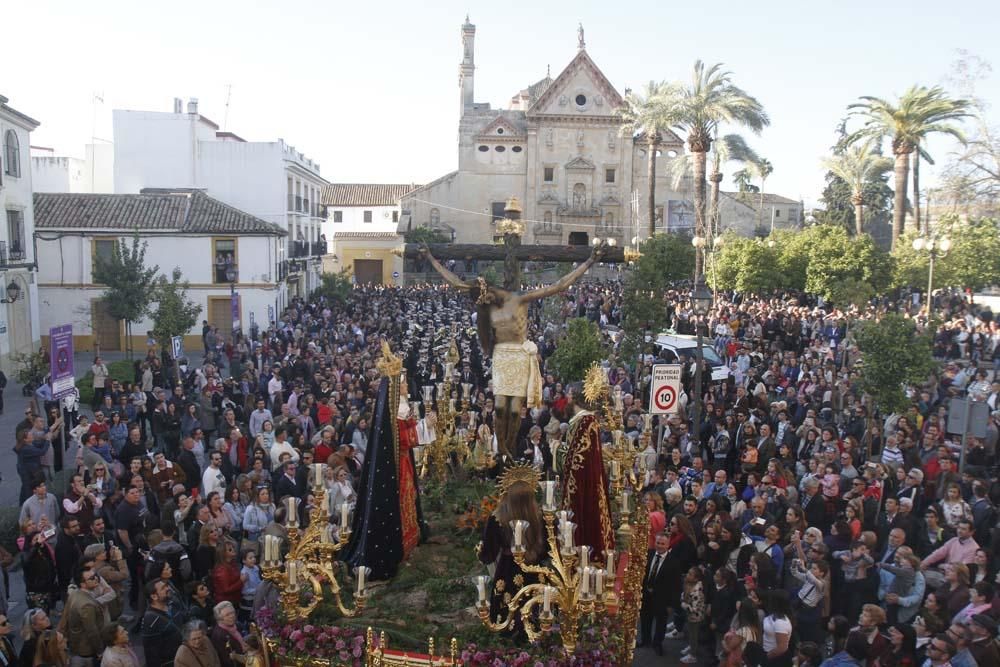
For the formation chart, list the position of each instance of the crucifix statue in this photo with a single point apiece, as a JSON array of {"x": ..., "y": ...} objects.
[{"x": 502, "y": 314}]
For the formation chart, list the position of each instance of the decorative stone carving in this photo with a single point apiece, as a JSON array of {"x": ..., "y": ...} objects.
[
  {"x": 612, "y": 139},
  {"x": 548, "y": 137},
  {"x": 599, "y": 100},
  {"x": 579, "y": 138},
  {"x": 563, "y": 100}
]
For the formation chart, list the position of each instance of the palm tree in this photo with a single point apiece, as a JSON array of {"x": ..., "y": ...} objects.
[
  {"x": 919, "y": 112},
  {"x": 710, "y": 100},
  {"x": 646, "y": 117},
  {"x": 856, "y": 165},
  {"x": 727, "y": 148},
  {"x": 761, "y": 168}
]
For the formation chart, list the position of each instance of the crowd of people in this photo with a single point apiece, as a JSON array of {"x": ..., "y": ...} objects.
[{"x": 792, "y": 522}]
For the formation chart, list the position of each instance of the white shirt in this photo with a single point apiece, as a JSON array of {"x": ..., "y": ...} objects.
[
  {"x": 279, "y": 448},
  {"x": 213, "y": 480},
  {"x": 274, "y": 386},
  {"x": 772, "y": 627}
]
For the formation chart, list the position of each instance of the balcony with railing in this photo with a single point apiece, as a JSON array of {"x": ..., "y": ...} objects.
[
  {"x": 12, "y": 253},
  {"x": 303, "y": 249}
]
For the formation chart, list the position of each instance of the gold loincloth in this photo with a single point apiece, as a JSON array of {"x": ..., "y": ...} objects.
[{"x": 516, "y": 372}]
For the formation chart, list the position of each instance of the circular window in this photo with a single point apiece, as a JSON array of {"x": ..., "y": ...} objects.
[
  {"x": 500, "y": 149},
  {"x": 581, "y": 100},
  {"x": 483, "y": 149},
  {"x": 516, "y": 149},
  {"x": 499, "y": 130}
]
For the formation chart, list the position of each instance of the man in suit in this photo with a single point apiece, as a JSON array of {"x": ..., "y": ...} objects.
[
  {"x": 286, "y": 485},
  {"x": 653, "y": 613},
  {"x": 813, "y": 505}
]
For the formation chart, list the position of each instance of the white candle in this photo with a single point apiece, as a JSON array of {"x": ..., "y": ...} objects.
[
  {"x": 344, "y": 510},
  {"x": 547, "y": 600},
  {"x": 611, "y": 564},
  {"x": 292, "y": 575},
  {"x": 585, "y": 580},
  {"x": 317, "y": 474},
  {"x": 598, "y": 581},
  {"x": 519, "y": 527},
  {"x": 293, "y": 516},
  {"x": 267, "y": 548},
  {"x": 481, "y": 587},
  {"x": 625, "y": 496},
  {"x": 614, "y": 469},
  {"x": 584, "y": 557},
  {"x": 550, "y": 494},
  {"x": 361, "y": 579}
]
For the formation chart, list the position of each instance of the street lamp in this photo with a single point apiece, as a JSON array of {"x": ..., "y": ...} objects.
[
  {"x": 935, "y": 247},
  {"x": 13, "y": 292},
  {"x": 231, "y": 276},
  {"x": 701, "y": 301}
]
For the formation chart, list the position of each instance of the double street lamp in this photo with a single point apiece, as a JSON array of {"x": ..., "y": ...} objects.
[
  {"x": 936, "y": 247},
  {"x": 701, "y": 302}
]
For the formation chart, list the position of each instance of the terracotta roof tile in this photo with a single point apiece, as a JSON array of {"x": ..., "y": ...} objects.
[
  {"x": 189, "y": 211},
  {"x": 365, "y": 194}
]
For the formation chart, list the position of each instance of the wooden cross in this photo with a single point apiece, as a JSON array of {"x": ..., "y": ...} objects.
[{"x": 511, "y": 252}]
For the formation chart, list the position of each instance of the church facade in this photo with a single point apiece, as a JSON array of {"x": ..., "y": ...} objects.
[{"x": 558, "y": 147}]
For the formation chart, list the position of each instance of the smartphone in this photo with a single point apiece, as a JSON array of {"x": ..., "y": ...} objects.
[{"x": 49, "y": 533}]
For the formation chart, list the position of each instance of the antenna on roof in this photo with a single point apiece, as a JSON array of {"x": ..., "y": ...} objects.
[{"x": 225, "y": 117}]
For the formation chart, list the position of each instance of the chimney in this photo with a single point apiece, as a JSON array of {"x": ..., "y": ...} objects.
[
  {"x": 193, "y": 105},
  {"x": 178, "y": 105}
]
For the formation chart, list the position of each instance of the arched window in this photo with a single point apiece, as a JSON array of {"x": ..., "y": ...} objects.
[
  {"x": 435, "y": 217},
  {"x": 12, "y": 154}
]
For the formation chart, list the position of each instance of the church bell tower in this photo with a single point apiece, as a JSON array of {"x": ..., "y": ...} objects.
[{"x": 466, "y": 71}]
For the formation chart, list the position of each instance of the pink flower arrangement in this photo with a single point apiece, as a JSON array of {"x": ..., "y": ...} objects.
[{"x": 332, "y": 646}]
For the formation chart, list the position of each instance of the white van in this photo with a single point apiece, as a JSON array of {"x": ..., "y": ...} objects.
[{"x": 672, "y": 346}]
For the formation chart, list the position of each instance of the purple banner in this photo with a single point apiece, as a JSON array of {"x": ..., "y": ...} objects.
[
  {"x": 61, "y": 360},
  {"x": 236, "y": 311}
]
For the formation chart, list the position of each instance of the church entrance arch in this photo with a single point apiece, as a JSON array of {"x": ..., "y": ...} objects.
[{"x": 578, "y": 238}]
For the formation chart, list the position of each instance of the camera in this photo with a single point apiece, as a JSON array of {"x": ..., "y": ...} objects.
[{"x": 49, "y": 533}]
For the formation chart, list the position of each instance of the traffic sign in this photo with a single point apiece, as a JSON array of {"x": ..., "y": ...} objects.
[
  {"x": 965, "y": 416},
  {"x": 395, "y": 274},
  {"x": 177, "y": 346},
  {"x": 666, "y": 388}
]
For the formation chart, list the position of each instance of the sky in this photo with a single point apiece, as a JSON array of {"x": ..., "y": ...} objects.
[{"x": 370, "y": 89}]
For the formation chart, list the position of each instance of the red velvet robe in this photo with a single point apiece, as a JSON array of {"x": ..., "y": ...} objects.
[
  {"x": 585, "y": 488},
  {"x": 407, "y": 485}
]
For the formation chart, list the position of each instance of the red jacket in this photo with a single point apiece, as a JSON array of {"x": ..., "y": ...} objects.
[{"x": 226, "y": 583}]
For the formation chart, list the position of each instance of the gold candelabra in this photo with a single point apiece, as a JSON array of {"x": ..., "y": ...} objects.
[
  {"x": 568, "y": 584},
  {"x": 311, "y": 559}
]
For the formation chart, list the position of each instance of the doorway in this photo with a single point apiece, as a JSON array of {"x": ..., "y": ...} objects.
[
  {"x": 107, "y": 329},
  {"x": 578, "y": 238},
  {"x": 368, "y": 271}
]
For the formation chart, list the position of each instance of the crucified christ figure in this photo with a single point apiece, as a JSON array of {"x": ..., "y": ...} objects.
[{"x": 502, "y": 325}]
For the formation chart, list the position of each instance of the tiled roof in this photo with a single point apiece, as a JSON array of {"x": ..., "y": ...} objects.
[
  {"x": 186, "y": 212},
  {"x": 753, "y": 198},
  {"x": 365, "y": 194},
  {"x": 365, "y": 235},
  {"x": 536, "y": 89}
]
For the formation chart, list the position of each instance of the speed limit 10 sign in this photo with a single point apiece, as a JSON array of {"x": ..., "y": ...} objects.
[{"x": 663, "y": 399}]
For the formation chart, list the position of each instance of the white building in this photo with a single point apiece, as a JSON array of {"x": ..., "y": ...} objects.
[
  {"x": 269, "y": 180},
  {"x": 361, "y": 229},
  {"x": 218, "y": 248},
  {"x": 58, "y": 173},
  {"x": 19, "y": 327},
  {"x": 559, "y": 148}
]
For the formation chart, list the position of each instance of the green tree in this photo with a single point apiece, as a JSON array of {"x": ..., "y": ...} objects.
[
  {"x": 848, "y": 292},
  {"x": 894, "y": 354},
  {"x": 834, "y": 257},
  {"x": 793, "y": 253},
  {"x": 665, "y": 259},
  {"x": 699, "y": 109},
  {"x": 128, "y": 283},
  {"x": 577, "y": 350},
  {"x": 858, "y": 166},
  {"x": 646, "y": 117},
  {"x": 175, "y": 314},
  {"x": 974, "y": 259},
  {"x": 335, "y": 287},
  {"x": 759, "y": 272},
  {"x": 919, "y": 113},
  {"x": 426, "y": 235}
]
